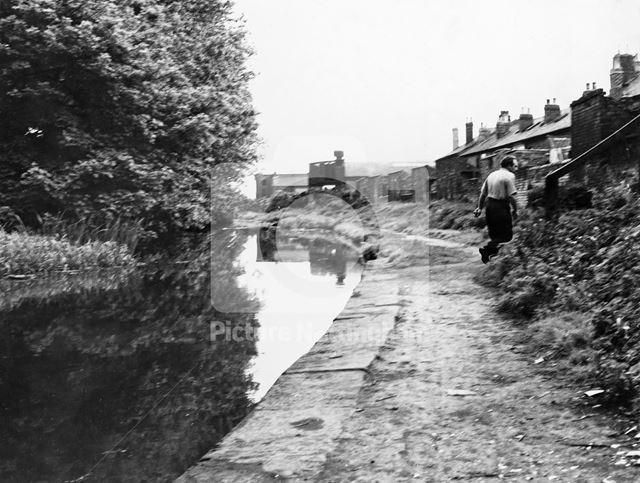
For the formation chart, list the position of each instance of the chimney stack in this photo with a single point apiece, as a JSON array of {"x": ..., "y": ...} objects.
[
  {"x": 469, "y": 132},
  {"x": 624, "y": 69},
  {"x": 502, "y": 126},
  {"x": 483, "y": 132},
  {"x": 525, "y": 121},
  {"x": 551, "y": 111},
  {"x": 456, "y": 142}
]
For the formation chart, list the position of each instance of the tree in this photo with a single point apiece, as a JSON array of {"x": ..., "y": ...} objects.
[{"x": 121, "y": 108}]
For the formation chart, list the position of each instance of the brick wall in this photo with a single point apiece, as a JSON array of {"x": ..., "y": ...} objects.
[
  {"x": 594, "y": 117},
  {"x": 456, "y": 177},
  {"x": 532, "y": 177}
]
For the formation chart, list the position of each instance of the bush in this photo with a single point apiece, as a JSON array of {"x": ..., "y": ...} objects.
[
  {"x": 587, "y": 262},
  {"x": 454, "y": 215}
]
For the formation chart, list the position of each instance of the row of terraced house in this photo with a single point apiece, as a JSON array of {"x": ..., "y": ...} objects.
[
  {"x": 541, "y": 145},
  {"x": 544, "y": 144}
]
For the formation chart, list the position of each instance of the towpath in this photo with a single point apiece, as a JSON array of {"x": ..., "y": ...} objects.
[{"x": 419, "y": 380}]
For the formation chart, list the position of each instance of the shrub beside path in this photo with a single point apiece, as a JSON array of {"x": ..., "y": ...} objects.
[{"x": 450, "y": 395}]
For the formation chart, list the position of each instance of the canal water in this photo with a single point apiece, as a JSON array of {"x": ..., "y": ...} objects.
[{"x": 132, "y": 376}]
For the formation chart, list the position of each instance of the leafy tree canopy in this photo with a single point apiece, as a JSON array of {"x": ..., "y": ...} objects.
[{"x": 123, "y": 108}]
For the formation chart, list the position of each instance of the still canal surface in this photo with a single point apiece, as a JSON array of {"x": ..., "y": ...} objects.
[{"x": 133, "y": 376}]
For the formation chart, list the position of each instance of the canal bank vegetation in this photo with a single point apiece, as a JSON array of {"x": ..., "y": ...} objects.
[
  {"x": 320, "y": 215},
  {"x": 407, "y": 218},
  {"x": 420, "y": 218},
  {"x": 398, "y": 233},
  {"x": 28, "y": 254},
  {"x": 572, "y": 284}
]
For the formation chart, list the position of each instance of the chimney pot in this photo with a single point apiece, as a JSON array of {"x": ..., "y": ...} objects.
[
  {"x": 483, "y": 133},
  {"x": 502, "y": 126},
  {"x": 469, "y": 131},
  {"x": 455, "y": 138},
  {"x": 594, "y": 86},
  {"x": 551, "y": 111},
  {"x": 587, "y": 86},
  {"x": 525, "y": 121}
]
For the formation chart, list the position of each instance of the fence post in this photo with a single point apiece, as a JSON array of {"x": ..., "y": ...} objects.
[{"x": 551, "y": 187}]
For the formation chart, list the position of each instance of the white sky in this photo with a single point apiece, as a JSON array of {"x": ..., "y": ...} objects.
[{"x": 387, "y": 81}]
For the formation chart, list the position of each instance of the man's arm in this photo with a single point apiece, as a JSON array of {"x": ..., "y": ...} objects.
[
  {"x": 511, "y": 188},
  {"x": 514, "y": 205},
  {"x": 481, "y": 200}
]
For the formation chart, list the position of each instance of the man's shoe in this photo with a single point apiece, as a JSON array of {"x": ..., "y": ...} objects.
[{"x": 485, "y": 256}]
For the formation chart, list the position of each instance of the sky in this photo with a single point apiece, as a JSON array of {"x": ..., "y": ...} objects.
[{"x": 387, "y": 81}]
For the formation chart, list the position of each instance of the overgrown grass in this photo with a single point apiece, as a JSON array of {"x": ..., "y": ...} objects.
[
  {"x": 420, "y": 218},
  {"x": 327, "y": 214},
  {"x": 22, "y": 253},
  {"x": 455, "y": 215},
  {"x": 122, "y": 232},
  {"x": 373, "y": 222},
  {"x": 574, "y": 283}
]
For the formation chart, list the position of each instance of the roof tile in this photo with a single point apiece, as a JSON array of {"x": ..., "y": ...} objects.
[{"x": 538, "y": 128}]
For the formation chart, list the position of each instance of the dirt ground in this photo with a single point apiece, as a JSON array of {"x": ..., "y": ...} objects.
[{"x": 453, "y": 396}]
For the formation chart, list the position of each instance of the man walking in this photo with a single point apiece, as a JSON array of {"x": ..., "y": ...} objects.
[{"x": 498, "y": 193}]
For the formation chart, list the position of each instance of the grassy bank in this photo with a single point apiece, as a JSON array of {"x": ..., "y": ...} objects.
[
  {"x": 25, "y": 254},
  {"x": 573, "y": 285},
  {"x": 327, "y": 216},
  {"x": 423, "y": 219},
  {"x": 406, "y": 218},
  {"x": 383, "y": 225}
]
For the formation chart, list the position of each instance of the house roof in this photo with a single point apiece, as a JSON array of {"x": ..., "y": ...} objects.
[
  {"x": 290, "y": 180},
  {"x": 461, "y": 149},
  {"x": 514, "y": 135}
]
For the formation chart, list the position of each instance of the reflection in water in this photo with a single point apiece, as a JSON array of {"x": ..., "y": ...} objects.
[
  {"x": 301, "y": 294},
  {"x": 121, "y": 371},
  {"x": 267, "y": 244},
  {"x": 328, "y": 259},
  {"x": 325, "y": 257}
]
